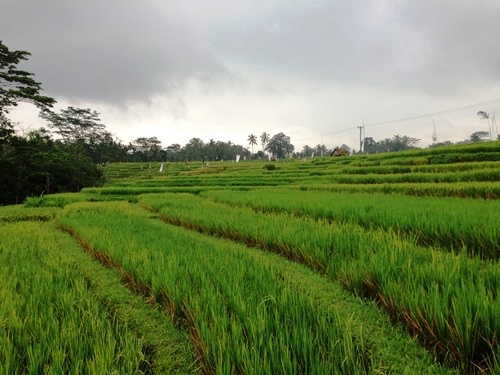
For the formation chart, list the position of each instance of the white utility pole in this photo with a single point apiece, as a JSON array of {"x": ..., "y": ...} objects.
[
  {"x": 362, "y": 137},
  {"x": 434, "y": 133}
]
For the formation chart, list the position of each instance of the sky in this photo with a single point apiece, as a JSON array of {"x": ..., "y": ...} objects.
[{"x": 224, "y": 69}]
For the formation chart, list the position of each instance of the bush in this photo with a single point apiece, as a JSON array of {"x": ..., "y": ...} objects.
[
  {"x": 48, "y": 201},
  {"x": 269, "y": 167}
]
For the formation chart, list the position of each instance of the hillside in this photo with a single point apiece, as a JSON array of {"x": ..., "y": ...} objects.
[{"x": 384, "y": 263}]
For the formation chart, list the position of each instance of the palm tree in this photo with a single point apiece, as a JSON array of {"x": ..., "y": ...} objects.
[
  {"x": 264, "y": 139},
  {"x": 252, "y": 140},
  {"x": 485, "y": 115}
]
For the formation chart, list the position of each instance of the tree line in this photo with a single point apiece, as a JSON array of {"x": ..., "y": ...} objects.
[
  {"x": 67, "y": 156},
  {"x": 62, "y": 158},
  {"x": 35, "y": 163}
]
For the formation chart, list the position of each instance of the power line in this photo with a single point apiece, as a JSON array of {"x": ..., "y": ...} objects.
[
  {"x": 469, "y": 106},
  {"x": 321, "y": 135},
  {"x": 433, "y": 113}
]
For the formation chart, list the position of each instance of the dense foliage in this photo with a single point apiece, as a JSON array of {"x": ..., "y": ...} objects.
[
  {"x": 37, "y": 164},
  {"x": 18, "y": 85}
]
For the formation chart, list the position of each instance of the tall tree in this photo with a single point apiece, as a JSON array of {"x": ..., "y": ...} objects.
[
  {"x": 486, "y": 116},
  {"x": 107, "y": 148},
  {"x": 150, "y": 147},
  {"x": 174, "y": 152},
  {"x": 307, "y": 150},
  {"x": 320, "y": 149},
  {"x": 194, "y": 149},
  {"x": 75, "y": 124},
  {"x": 371, "y": 146},
  {"x": 264, "y": 139},
  {"x": 6, "y": 129},
  {"x": 37, "y": 164},
  {"x": 79, "y": 129},
  {"x": 18, "y": 85},
  {"x": 479, "y": 136},
  {"x": 280, "y": 146},
  {"x": 396, "y": 143},
  {"x": 252, "y": 140}
]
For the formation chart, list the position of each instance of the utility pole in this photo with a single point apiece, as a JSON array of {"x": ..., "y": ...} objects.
[
  {"x": 362, "y": 137},
  {"x": 434, "y": 133},
  {"x": 494, "y": 123}
]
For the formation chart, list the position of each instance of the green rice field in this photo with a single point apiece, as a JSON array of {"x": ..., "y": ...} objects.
[{"x": 367, "y": 264}]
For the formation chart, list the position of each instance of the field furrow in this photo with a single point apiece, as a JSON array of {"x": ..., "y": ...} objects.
[
  {"x": 451, "y": 224},
  {"x": 249, "y": 312},
  {"x": 434, "y": 294}
]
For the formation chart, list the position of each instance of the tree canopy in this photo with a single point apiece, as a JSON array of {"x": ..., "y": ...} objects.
[
  {"x": 479, "y": 136},
  {"x": 264, "y": 139},
  {"x": 252, "y": 140},
  {"x": 396, "y": 143},
  {"x": 75, "y": 124},
  {"x": 280, "y": 146},
  {"x": 17, "y": 85}
]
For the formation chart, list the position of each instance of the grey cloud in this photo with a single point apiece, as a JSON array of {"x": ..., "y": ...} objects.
[
  {"x": 121, "y": 51},
  {"x": 111, "y": 51},
  {"x": 429, "y": 47}
]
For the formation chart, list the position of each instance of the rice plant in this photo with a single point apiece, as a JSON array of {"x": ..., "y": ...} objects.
[
  {"x": 452, "y": 224},
  {"x": 51, "y": 322},
  {"x": 243, "y": 317},
  {"x": 431, "y": 292}
]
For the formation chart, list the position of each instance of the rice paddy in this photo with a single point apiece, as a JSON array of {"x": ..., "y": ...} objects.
[{"x": 370, "y": 264}]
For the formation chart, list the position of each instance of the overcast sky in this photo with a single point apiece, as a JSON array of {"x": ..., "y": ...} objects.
[{"x": 224, "y": 69}]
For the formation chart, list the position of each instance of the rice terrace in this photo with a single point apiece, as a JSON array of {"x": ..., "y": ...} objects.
[{"x": 367, "y": 264}]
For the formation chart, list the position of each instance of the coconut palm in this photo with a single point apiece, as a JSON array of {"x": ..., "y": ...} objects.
[
  {"x": 264, "y": 139},
  {"x": 252, "y": 140},
  {"x": 486, "y": 116}
]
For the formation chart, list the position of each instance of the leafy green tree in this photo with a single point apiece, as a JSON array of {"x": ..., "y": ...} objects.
[
  {"x": 399, "y": 143},
  {"x": 18, "y": 85},
  {"x": 479, "y": 136},
  {"x": 81, "y": 131},
  {"x": 320, "y": 149},
  {"x": 75, "y": 124},
  {"x": 174, "y": 152},
  {"x": 194, "y": 149},
  {"x": 223, "y": 150},
  {"x": 307, "y": 150},
  {"x": 440, "y": 144},
  {"x": 6, "y": 128},
  {"x": 37, "y": 164},
  {"x": 396, "y": 143},
  {"x": 371, "y": 146},
  {"x": 106, "y": 149},
  {"x": 149, "y": 147},
  {"x": 211, "y": 150},
  {"x": 280, "y": 146}
]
